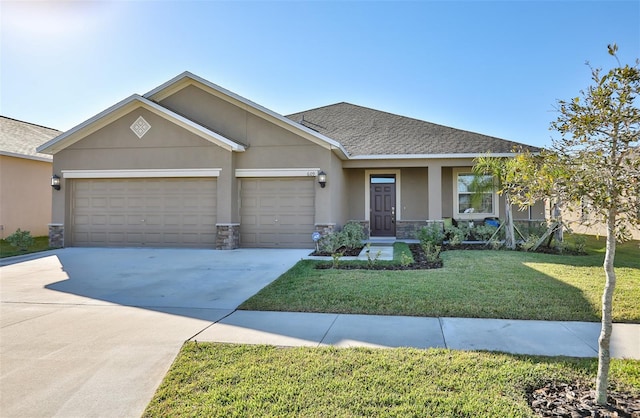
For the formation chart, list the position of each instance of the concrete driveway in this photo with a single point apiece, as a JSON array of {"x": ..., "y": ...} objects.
[{"x": 91, "y": 332}]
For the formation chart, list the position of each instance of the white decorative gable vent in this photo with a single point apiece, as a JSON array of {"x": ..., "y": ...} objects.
[{"x": 140, "y": 127}]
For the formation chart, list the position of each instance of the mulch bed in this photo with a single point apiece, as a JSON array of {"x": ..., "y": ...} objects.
[
  {"x": 484, "y": 246},
  {"x": 346, "y": 252},
  {"x": 578, "y": 400},
  {"x": 419, "y": 258}
]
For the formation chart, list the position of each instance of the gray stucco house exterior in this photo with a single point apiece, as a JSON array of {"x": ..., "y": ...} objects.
[{"x": 190, "y": 164}]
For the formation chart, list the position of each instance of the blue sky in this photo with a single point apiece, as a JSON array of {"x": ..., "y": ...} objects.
[{"x": 494, "y": 67}]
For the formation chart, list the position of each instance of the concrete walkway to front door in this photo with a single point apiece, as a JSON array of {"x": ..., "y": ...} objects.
[{"x": 92, "y": 332}]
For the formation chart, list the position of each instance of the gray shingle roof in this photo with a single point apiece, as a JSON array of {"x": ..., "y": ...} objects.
[
  {"x": 365, "y": 131},
  {"x": 22, "y": 138}
]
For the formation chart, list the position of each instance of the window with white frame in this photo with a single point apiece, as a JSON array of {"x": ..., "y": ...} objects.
[{"x": 470, "y": 201}]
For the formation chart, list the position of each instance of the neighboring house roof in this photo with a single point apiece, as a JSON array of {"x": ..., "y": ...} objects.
[
  {"x": 134, "y": 101},
  {"x": 20, "y": 139},
  {"x": 370, "y": 133}
]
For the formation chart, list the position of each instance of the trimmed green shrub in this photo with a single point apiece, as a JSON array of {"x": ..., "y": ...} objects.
[
  {"x": 21, "y": 239},
  {"x": 580, "y": 244},
  {"x": 432, "y": 252},
  {"x": 330, "y": 243},
  {"x": 353, "y": 235},
  {"x": 349, "y": 238},
  {"x": 484, "y": 232},
  {"x": 431, "y": 238},
  {"x": 432, "y": 233},
  {"x": 530, "y": 242},
  {"x": 457, "y": 234}
]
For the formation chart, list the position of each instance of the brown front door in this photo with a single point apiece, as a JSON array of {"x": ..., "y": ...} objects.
[{"x": 383, "y": 206}]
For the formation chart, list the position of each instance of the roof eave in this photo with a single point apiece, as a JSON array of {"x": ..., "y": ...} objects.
[
  {"x": 63, "y": 139},
  {"x": 112, "y": 113},
  {"x": 430, "y": 156},
  {"x": 181, "y": 81},
  {"x": 46, "y": 159}
]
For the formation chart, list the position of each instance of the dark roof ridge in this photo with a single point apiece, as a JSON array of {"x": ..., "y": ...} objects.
[
  {"x": 29, "y": 123},
  {"x": 415, "y": 119},
  {"x": 318, "y": 108},
  {"x": 366, "y": 131}
]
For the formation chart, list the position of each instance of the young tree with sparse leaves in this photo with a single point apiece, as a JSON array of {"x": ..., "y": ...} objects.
[
  {"x": 494, "y": 174},
  {"x": 597, "y": 161}
]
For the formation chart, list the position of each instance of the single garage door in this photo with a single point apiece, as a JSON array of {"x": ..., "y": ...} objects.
[
  {"x": 277, "y": 213},
  {"x": 155, "y": 212}
]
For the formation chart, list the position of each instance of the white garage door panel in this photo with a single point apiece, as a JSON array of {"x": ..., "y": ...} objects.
[
  {"x": 277, "y": 213},
  {"x": 144, "y": 212}
]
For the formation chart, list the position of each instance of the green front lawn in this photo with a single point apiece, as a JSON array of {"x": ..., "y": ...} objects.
[
  {"x": 218, "y": 380},
  {"x": 8, "y": 250},
  {"x": 221, "y": 380},
  {"x": 476, "y": 284}
]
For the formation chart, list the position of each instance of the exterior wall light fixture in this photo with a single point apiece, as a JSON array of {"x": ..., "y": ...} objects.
[
  {"x": 322, "y": 178},
  {"x": 55, "y": 182}
]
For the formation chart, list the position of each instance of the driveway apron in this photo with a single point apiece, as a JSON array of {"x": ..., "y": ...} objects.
[{"x": 88, "y": 332}]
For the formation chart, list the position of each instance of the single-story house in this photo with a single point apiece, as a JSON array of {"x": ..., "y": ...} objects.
[
  {"x": 192, "y": 164},
  {"x": 25, "y": 178},
  {"x": 581, "y": 221},
  {"x": 582, "y": 218}
]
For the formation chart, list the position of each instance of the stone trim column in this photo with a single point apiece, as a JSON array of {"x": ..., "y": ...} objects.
[
  {"x": 325, "y": 229},
  {"x": 227, "y": 236},
  {"x": 408, "y": 229},
  {"x": 56, "y": 235},
  {"x": 438, "y": 222}
]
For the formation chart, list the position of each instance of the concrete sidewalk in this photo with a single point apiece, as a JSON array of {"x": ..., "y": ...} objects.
[
  {"x": 549, "y": 338},
  {"x": 375, "y": 252}
]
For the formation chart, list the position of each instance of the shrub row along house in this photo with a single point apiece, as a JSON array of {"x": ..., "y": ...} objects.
[{"x": 192, "y": 164}]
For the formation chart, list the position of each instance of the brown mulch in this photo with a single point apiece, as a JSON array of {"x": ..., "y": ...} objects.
[
  {"x": 578, "y": 400},
  {"x": 420, "y": 262},
  {"x": 483, "y": 246},
  {"x": 346, "y": 252}
]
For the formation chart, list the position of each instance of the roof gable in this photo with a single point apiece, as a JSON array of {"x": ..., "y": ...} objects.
[
  {"x": 370, "y": 133},
  {"x": 353, "y": 132},
  {"x": 187, "y": 79},
  {"x": 20, "y": 139},
  {"x": 125, "y": 106}
]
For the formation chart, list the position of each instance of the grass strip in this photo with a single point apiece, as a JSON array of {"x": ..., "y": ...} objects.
[
  {"x": 8, "y": 250},
  {"x": 472, "y": 284},
  {"x": 219, "y": 380}
]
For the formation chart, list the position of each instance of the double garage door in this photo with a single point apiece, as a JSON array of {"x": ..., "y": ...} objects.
[
  {"x": 181, "y": 212},
  {"x": 155, "y": 212}
]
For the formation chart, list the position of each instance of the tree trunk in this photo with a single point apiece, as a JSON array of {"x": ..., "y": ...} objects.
[
  {"x": 604, "y": 354},
  {"x": 558, "y": 235},
  {"x": 510, "y": 238}
]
